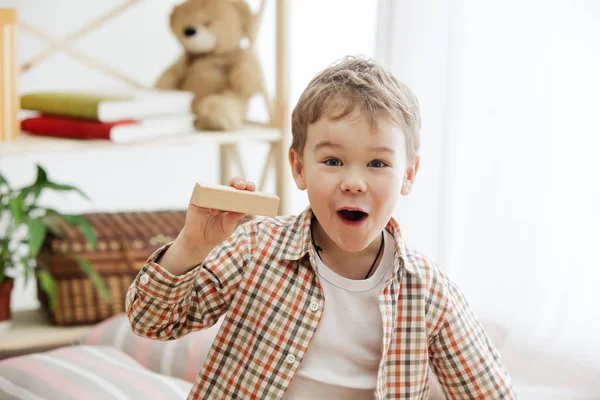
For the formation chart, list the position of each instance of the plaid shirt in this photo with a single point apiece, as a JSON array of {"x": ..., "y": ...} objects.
[{"x": 263, "y": 279}]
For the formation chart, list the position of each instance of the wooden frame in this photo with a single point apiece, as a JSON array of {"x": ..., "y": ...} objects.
[
  {"x": 276, "y": 104},
  {"x": 64, "y": 44},
  {"x": 9, "y": 101}
]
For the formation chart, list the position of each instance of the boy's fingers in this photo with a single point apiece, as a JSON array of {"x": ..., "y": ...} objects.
[
  {"x": 237, "y": 183},
  {"x": 241, "y": 184},
  {"x": 233, "y": 217},
  {"x": 198, "y": 210},
  {"x": 232, "y": 180}
]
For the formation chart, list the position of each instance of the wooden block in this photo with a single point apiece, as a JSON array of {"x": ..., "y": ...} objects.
[{"x": 227, "y": 198}]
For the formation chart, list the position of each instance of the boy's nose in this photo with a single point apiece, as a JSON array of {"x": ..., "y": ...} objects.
[{"x": 353, "y": 184}]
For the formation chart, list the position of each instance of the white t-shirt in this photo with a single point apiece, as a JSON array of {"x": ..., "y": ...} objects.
[{"x": 344, "y": 354}]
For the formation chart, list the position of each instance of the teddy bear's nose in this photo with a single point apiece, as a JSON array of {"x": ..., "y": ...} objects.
[{"x": 189, "y": 31}]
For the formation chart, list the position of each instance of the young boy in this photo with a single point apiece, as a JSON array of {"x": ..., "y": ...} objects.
[{"x": 330, "y": 304}]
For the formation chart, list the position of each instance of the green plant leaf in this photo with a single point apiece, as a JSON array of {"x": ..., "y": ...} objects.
[
  {"x": 16, "y": 207},
  {"x": 42, "y": 182},
  {"x": 37, "y": 234},
  {"x": 49, "y": 286},
  {"x": 35, "y": 188},
  {"x": 21, "y": 198},
  {"x": 84, "y": 225},
  {"x": 4, "y": 182},
  {"x": 42, "y": 176},
  {"x": 65, "y": 188},
  {"x": 4, "y": 203},
  {"x": 25, "y": 261},
  {"x": 52, "y": 221},
  {"x": 97, "y": 280},
  {"x": 31, "y": 193}
]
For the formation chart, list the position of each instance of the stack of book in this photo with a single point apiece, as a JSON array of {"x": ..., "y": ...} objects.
[{"x": 139, "y": 115}]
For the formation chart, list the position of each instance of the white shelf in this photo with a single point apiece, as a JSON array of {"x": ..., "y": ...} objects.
[
  {"x": 29, "y": 144},
  {"x": 31, "y": 329}
]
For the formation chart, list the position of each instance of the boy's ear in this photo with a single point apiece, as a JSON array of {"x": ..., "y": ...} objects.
[
  {"x": 297, "y": 169},
  {"x": 410, "y": 176}
]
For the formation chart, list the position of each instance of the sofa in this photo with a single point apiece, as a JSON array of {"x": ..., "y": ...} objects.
[
  {"x": 108, "y": 362},
  {"x": 111, "y": 362}
]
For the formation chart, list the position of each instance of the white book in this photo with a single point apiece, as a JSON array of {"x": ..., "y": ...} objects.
[{"x": 153, "y": 128}]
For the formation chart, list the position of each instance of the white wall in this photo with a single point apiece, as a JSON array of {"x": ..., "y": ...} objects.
[
  {"x": 413, "y": 42},
  {"x": 522, "y": 227},
  {"x": 138, "y": 43},
  {"x": 510, "y": 103}
]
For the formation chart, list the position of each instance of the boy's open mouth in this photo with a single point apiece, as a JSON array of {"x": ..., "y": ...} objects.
[{"x": 352, "y": 215}]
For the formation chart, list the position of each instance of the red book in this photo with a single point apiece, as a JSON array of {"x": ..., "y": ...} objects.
[{"x": 119, "y": 131}]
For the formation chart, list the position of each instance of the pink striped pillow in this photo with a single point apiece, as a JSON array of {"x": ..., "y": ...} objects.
[
  {"x": 181, "y": 358},
  {"x": 85, "y": 373}
]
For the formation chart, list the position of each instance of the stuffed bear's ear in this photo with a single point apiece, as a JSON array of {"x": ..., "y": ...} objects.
[
  {"x": 172, "y": 18},
  {"x": 246, "y": 16}
]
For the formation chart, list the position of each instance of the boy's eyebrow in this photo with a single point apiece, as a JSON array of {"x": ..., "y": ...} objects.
[
  {"x": 328, "y": 143},
  {"x": 382, "y": 149}
]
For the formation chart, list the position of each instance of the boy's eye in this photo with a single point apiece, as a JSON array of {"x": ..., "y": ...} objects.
[
  {"x": 332, "y": 162},
  {"x": 377, "y": 164}
]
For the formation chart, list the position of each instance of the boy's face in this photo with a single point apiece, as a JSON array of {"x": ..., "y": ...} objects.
[{"x": 353, "y": 173}]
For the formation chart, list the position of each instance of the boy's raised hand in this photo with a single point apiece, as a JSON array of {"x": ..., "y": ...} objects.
[
  {"x": 210, "y": 226},
  {"x": 204, "y": 229}
]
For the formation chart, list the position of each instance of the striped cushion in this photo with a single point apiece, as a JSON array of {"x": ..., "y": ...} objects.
[
  {"x": 181, "y": 358},
  {"x": 85, "y": 373}
]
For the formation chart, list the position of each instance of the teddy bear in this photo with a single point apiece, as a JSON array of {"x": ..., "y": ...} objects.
[{"x": 215, "y": 66}]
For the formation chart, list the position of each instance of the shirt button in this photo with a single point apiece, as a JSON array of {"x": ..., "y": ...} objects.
[
  {"x": 144, "y": 279},
  {"x": 314, "y": 306},
  {"x": 290, "y": 359}
]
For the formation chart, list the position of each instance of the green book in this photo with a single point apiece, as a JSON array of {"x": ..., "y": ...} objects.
[{"x": 108, "y": 108}]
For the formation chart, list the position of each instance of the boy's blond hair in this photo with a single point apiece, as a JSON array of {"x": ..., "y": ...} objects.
[{"x": 357, "y": 83}]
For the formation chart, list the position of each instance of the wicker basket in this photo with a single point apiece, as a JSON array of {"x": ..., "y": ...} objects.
[{"x": 124, "y": 242}]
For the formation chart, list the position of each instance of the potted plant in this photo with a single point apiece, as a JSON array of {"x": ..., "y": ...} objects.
[{"x": 24, "y": 224}]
